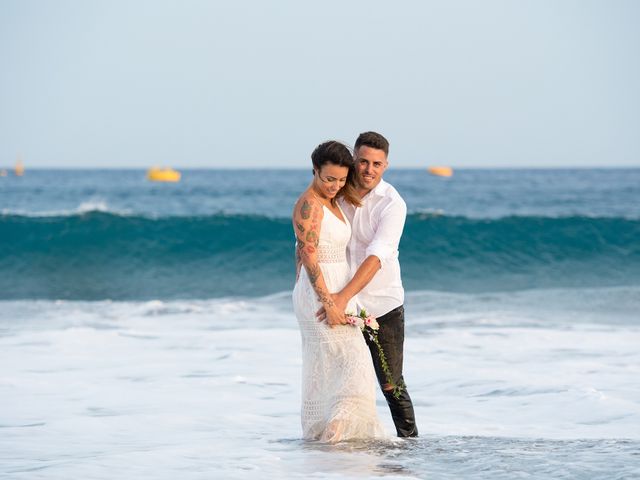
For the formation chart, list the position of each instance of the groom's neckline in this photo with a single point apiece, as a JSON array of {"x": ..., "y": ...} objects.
[{"x": 378, "y": 190}]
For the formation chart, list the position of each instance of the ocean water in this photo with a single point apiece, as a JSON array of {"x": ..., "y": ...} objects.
[{"x": 146, "y": 330}]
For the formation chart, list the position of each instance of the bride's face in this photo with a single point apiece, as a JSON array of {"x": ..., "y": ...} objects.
[{"x": 330, "y": 179}]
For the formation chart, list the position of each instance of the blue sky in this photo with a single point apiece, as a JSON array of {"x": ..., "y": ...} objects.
[{"x": 259, "y": 84}]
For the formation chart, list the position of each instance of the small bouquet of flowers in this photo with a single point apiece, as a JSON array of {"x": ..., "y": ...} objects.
[
  {"x": 369, "y": 326},
  {"x": 365, "y": 322}
]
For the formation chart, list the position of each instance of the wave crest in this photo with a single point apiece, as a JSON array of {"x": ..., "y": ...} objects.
[{"x": 97, "y": 255}]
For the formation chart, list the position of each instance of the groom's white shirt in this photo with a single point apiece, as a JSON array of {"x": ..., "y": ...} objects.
[{"x": 376, "y": 228}]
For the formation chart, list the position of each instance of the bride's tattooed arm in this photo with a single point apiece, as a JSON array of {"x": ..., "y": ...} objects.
[
  {"x": 307, "y": 218},
  {"x": 299, "y": 246}
]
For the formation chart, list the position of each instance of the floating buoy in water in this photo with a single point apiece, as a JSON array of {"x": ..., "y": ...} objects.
[
  {"x": 19, "y": 169},
  {"x": 440, "y": 171},
  {"x": 156, "y": 174}
]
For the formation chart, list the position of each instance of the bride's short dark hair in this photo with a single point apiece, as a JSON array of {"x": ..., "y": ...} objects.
[{"x": 332, "y": 152}]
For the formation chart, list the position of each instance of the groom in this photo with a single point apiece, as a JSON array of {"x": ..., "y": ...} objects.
[{"x": 373, "y": 250}]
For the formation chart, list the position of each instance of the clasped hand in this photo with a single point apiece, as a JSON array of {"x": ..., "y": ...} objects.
[{"x": 334, "y": 314}]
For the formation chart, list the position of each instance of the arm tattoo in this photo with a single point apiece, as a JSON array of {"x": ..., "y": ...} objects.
[
  {"x": 305, "y": 210},
  {"x": 300, "y": 227},
  {"x": 312, "y": 237},
  {"x": 326, "y": 299},
  {"x": 314, "y": 273}
]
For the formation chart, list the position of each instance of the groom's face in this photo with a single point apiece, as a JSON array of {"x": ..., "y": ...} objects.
[{"x": 370, "y": 165}]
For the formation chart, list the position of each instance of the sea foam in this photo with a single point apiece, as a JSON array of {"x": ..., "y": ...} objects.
[{"x": 162, "y": 387}]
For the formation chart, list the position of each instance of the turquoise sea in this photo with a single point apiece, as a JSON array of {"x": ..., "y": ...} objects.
[{"x": 227, "y": 233}]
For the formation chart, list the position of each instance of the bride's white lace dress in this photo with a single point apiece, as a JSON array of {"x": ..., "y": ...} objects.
[{"x": 338, "y": 379}]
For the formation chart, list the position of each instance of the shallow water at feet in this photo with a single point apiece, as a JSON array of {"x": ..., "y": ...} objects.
[{"x": 210, "y": 389}]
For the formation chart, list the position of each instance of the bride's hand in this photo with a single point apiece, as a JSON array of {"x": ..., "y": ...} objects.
[
  {"x": 339, "y": 307},
  {"x": 334, "y": 316}
]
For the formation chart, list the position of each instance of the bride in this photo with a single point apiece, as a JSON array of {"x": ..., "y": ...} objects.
[{"x": 338, "y": 379}]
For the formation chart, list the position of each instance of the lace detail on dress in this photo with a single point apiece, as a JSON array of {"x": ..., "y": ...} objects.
[{"x": 331, "y": 254}]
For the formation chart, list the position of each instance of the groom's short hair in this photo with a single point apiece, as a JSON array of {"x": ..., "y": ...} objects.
[{"x": 372, "y": 140}]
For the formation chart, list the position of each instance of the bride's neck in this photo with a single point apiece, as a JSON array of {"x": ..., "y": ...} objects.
[{"x": 329, "y": 202}]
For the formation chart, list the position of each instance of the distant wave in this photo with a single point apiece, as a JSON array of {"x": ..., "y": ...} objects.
[
  {"x": 98, "y": 255},
  {"x": 88, "y": 206},
  {"x": 101, "y": 206}
]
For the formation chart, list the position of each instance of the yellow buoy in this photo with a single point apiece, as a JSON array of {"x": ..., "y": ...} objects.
[
  {"x": 156, "y": 174},
  {"x": 19, "y": 170},
  {"x": 441, "y": 171}
]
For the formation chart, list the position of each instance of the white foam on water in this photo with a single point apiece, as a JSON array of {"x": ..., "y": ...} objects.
[
  {"x": 202, "y": 389},
  {"x": 93, "y": 205},
  {"x": 87, "y": 206}
]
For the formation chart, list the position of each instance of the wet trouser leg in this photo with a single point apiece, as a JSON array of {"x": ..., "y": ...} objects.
[{"x": 391, "y": 339}]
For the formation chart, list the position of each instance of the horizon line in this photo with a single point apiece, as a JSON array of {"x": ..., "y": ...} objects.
[{"x": 393, "y": 167}]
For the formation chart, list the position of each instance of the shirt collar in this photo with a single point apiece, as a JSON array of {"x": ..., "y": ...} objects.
[{"x": 381, "y": 189}]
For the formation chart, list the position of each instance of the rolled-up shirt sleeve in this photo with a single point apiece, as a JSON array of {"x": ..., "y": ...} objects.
[{"x": 388, "y": 232}]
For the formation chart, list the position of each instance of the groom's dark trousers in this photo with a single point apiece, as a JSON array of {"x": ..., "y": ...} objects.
[{"x": 391, "y": 339}]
